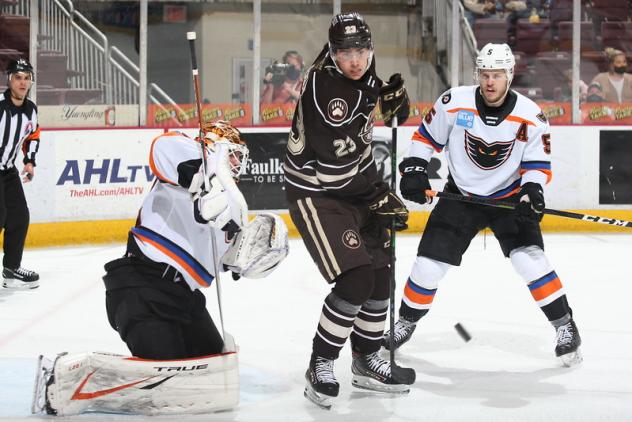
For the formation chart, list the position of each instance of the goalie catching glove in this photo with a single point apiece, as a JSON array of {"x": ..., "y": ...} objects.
[{"x": 258, "y": 248}]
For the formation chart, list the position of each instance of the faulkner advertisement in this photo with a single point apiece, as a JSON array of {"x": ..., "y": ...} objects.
[{"x": 262, "y": 184}]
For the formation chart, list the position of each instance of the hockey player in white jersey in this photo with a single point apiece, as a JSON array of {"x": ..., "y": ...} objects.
[
  {"x": 497, "y": 145},
  {"x": 180, "y": 363}
]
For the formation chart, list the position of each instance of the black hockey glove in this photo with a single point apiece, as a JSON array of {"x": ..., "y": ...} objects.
[
  {"x": 414, "y": 182},
  {"x": 394, "y": 100},
  {"x": 531, "y": 203},
  {"x": 386, "y": 205}
]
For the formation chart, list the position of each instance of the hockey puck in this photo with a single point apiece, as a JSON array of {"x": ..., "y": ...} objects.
[{"x": 462, "y": 332}]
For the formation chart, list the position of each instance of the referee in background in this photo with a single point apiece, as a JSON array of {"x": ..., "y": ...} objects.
[{"x": 18, "y": 130}]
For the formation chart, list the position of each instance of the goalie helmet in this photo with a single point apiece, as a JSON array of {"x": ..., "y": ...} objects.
[
  {"x": 496, "y": 57},
  {"x": 222, "y": 131}
]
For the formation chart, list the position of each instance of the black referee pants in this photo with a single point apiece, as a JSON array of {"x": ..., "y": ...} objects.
[{"x": 14, "y": 217}]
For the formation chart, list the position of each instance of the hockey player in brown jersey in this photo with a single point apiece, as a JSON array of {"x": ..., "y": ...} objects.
[{"x": 342, "y": 209}]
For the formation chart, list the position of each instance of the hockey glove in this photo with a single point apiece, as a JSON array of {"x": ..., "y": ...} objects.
[
  {"x": 386, "y": 205},
  {"x": 414, "y": 182},
  {"x": 531, "y": 202},
  {"x": 209, "y": 207},
  {"x": 394, "y": 100}
]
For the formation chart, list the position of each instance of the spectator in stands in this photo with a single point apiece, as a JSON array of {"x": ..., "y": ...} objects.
[
  {"x": 616, "y": 83},
  {"x": 567, "y": 88},
  {"x": 479, "y": 9},
  {"x": 282, "y": 81},
  {"x": 594, "y": 93},
  {"x": 524, "y": 9}
]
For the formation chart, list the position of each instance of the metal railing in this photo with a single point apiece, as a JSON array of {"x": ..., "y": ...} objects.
[
  {"x": 92, "y": 63},
  {"x": 461, "y": 59}
]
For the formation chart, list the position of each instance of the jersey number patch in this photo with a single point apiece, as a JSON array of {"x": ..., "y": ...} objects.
[
  {"x": 546, "y": 141},
  {"x": 344, "y": 146}
]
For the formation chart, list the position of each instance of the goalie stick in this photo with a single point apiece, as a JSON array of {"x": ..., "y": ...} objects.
[
  {"x": 511, "y": 206},
  {"x": 191, "y": 36}
]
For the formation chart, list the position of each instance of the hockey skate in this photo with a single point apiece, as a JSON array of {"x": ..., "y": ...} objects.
[
  {"x": 20, "y": 278},
  {"x": 403, "y": 332},
  {"x": 568, "y": 342},
  {"x": 43, "y": 378},
  {"x": 371, "y": 372},
  {"x": 322, "y": 385}
]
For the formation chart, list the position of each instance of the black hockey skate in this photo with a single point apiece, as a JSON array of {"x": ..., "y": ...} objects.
[
  {"x": 568, "y": 342},
  {"x": 322, "y": 385},
  {"x": 20, "y": 278},
  {"x": 371, "y": 372},
  {"x": 403, "y": 332}
]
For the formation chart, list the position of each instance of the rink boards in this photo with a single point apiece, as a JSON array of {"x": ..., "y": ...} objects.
[{"x": 89, "y": 183}]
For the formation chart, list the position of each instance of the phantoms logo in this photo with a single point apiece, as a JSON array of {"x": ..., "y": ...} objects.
[{"x": 85, "y": 172}]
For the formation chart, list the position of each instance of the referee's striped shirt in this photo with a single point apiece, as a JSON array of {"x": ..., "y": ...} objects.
[{"x": 18, "y": 129}]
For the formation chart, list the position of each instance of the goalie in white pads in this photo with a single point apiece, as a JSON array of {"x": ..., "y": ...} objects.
[{"x": 153, "y": 296}]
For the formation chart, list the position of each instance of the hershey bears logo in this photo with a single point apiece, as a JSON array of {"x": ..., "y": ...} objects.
[
  {"x": 484, "y": 155},
  {"x": 351, "y": 239},
  {"x": 337, "y": 109}
]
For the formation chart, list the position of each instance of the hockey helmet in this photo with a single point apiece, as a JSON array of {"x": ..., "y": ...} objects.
[
  {"x": 349, "y": 30},
  {"x": 496, "y": 57},
  {"x": 19, "y": 65},
  {"x": 223, "y": 131}
]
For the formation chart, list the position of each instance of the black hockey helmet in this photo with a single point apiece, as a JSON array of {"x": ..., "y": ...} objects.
[
  {"x": 349, "y": 30},
  {"x": 19, "y": 65}
]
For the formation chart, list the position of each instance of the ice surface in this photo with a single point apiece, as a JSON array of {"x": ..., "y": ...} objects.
[{"x": 507, "y": 372}]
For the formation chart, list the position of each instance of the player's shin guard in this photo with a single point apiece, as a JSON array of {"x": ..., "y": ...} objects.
[
  {"x": 547, "y": 290},
  {"x": 114, "y": 383},
  {"x": 419, "y": 293},
  {"x": 368, "y": 328}
]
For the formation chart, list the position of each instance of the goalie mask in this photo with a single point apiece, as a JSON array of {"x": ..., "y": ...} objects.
[{"x": 222, "y": 131}]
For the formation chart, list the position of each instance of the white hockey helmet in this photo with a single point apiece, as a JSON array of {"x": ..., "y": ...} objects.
[{"x": 497, "y": 57}]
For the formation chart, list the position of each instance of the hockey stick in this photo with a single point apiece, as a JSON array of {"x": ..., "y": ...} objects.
[
  {"x": 391, "y": 296},
  {"x": 511, "y": 206},
  {"x": 191, "y": 36}
]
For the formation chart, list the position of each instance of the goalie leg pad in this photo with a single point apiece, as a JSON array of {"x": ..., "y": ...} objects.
[
  {"x": 259, "y": 247},
  {"x": 114, "y": 383}
]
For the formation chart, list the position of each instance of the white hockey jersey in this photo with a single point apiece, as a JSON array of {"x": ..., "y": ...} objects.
[
  {"x": 166, "y": 230},
  {"x": 490, "y": 152}
]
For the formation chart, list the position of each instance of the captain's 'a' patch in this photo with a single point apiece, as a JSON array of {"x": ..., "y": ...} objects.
[{"x": 484, "y": 155}]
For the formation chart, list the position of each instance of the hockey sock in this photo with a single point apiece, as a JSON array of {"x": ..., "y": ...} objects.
[
  {"x": 368, "y": 328},
  {"x": 548, "y": 293},
  {"x": 416, "y": 301},
  {"x": 336, "y": 322}
]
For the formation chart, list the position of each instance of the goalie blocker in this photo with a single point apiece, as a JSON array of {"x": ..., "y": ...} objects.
[{"x": 105, "y": 382}]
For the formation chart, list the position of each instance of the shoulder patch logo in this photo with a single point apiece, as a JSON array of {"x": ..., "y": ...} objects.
[
  {"x": 337, "y": 109},
  {"x": 28, "y": 129},
  {"x": 541, "y": 117},
  {"x": 351, "y": 239},
  {"x": 446, "y": 98},
  {"x": 487, "y": 156}
]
